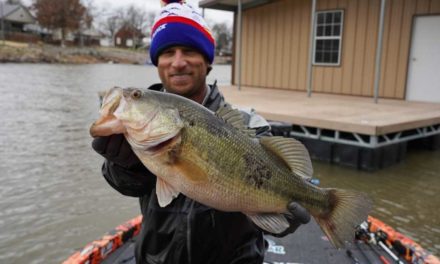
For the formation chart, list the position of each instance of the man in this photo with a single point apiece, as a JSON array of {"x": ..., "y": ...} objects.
[{"x": 184, "y": 231}]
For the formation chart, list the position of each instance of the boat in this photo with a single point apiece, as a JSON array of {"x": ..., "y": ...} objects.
[
  {"x": 115, "y": 242},
  {"x": 375, "y": 242}
]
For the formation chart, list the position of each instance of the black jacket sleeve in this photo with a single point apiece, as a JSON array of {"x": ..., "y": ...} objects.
[{"x": 136, "y": 181}]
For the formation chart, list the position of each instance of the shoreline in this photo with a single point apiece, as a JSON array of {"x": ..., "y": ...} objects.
[
  {"x": 42, "y": 53},
  {"x": 16, "y": 52}
]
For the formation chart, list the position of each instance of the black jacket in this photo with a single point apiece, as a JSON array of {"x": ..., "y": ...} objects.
[{"x": 186, "y": 231}]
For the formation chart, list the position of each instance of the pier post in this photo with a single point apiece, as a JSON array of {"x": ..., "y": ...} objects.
[
  {"x": 311, "y": 48},
  {"x": 239, "y": 17},
  {"x": 379, "y": 51}
]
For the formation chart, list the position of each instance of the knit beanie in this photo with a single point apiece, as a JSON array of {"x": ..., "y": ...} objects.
[{"x": 178, "y": 24}]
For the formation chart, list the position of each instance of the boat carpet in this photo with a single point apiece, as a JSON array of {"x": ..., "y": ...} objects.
[{"x": 307, "y": 245}]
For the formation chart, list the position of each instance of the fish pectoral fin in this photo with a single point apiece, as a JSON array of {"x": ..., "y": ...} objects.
[
  {"x": 165, "y": 192},
  {"x": 272, "y": 223}
]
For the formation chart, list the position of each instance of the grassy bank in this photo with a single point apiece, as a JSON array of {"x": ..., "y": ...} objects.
[{"x": 42, "y": 53}]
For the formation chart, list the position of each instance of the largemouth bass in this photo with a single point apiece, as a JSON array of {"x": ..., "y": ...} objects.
[{"x": 214, "y": 159}]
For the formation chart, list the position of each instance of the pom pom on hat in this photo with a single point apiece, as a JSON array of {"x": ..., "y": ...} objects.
[
  {"x": 178, "y": 24},
  {"x": 166, "y": 2}
]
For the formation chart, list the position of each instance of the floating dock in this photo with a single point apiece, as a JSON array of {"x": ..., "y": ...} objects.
[{"x": 346, "y": 130}]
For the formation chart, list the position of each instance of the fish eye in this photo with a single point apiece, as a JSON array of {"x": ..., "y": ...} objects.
[{"x": 136, "y": 94}]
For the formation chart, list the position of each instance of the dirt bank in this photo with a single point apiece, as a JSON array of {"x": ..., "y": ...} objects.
[
  {"x": 31, "y": 53},
  {"x": 41, "y": 53}
]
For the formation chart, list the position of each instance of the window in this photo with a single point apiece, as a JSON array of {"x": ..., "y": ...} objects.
[{"x": 328, "y": 36}]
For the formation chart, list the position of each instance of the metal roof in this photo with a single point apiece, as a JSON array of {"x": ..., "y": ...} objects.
[
  {"x": 7, "y": 9},
  {"x": 7, "y": 12},
  {"x": 230, "y": 5}
]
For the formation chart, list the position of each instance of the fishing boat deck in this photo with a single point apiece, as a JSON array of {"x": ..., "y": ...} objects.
[
  {"x": 336, "y": 112},
  {"x": 307, "y": 245}
]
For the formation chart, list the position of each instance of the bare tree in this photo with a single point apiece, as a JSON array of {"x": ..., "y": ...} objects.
[
  {"x": 66, "y": 15},
  {"x": 111, "y": 21},
  {"x": 132, "y": 17},
  {"x": 111, "y": 25},
  {"x": 88, "y": 15},
  {"x": 135, "y": 16},
  {"x": 138, "y": 19},
  {"x": 87, "y": 20},
  {"x": 223, "y": 37}
]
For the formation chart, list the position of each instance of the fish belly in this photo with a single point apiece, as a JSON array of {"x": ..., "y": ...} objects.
[{"x": 228, "y": 193}]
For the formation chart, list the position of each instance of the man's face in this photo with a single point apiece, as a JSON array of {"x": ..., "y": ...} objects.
[{"x": 183, "y": 71}]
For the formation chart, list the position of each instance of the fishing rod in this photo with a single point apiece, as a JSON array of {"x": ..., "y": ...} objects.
[
  {"x": 381, "y": 238},
  {"x": 381, "y": 257},
  {"x": 386, "y": 249},
  {"x": 377, "y": 238},
  {"x": 365, "y": 235}
]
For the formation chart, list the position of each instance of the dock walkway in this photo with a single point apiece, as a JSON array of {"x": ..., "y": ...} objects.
[{"x": 344, "y": 120}]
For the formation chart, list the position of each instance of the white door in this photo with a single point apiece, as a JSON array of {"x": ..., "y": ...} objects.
[{"x": 424, "y": 61}]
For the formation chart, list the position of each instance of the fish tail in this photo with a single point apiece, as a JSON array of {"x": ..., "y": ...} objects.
[{"x": 348, "y": 209}]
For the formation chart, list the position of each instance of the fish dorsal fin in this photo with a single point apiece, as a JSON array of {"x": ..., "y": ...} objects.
[
  {"x": 292, "y": 152},
  {"x": 165, "y": 192},
  {"x": 272, "y": 223},
  {"x": 235, "y": 118}
]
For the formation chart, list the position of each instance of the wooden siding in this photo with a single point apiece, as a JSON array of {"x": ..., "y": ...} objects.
[{"x": 276, "y": 46}]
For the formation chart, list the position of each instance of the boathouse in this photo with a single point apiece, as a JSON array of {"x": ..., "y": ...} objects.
[{"x": 381, "y": 52}]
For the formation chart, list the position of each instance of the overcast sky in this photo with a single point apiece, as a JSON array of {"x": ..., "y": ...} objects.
[
  {"x": 154, "y": 5},
  {"x": 216, "y": 15}
]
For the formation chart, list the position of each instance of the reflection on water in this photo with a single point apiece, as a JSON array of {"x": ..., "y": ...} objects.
[{"x": 54, "y": 200}]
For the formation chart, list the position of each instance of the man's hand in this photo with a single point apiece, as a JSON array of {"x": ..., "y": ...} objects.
[
  {"x": 298, "y": 216},
  {"x": 115, "y": 148}
]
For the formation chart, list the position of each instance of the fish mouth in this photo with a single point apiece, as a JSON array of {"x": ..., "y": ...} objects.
[{"x": 108, "y": 124}]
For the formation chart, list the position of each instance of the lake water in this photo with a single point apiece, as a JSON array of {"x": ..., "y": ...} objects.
[{"x": 54, "y": 199}]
